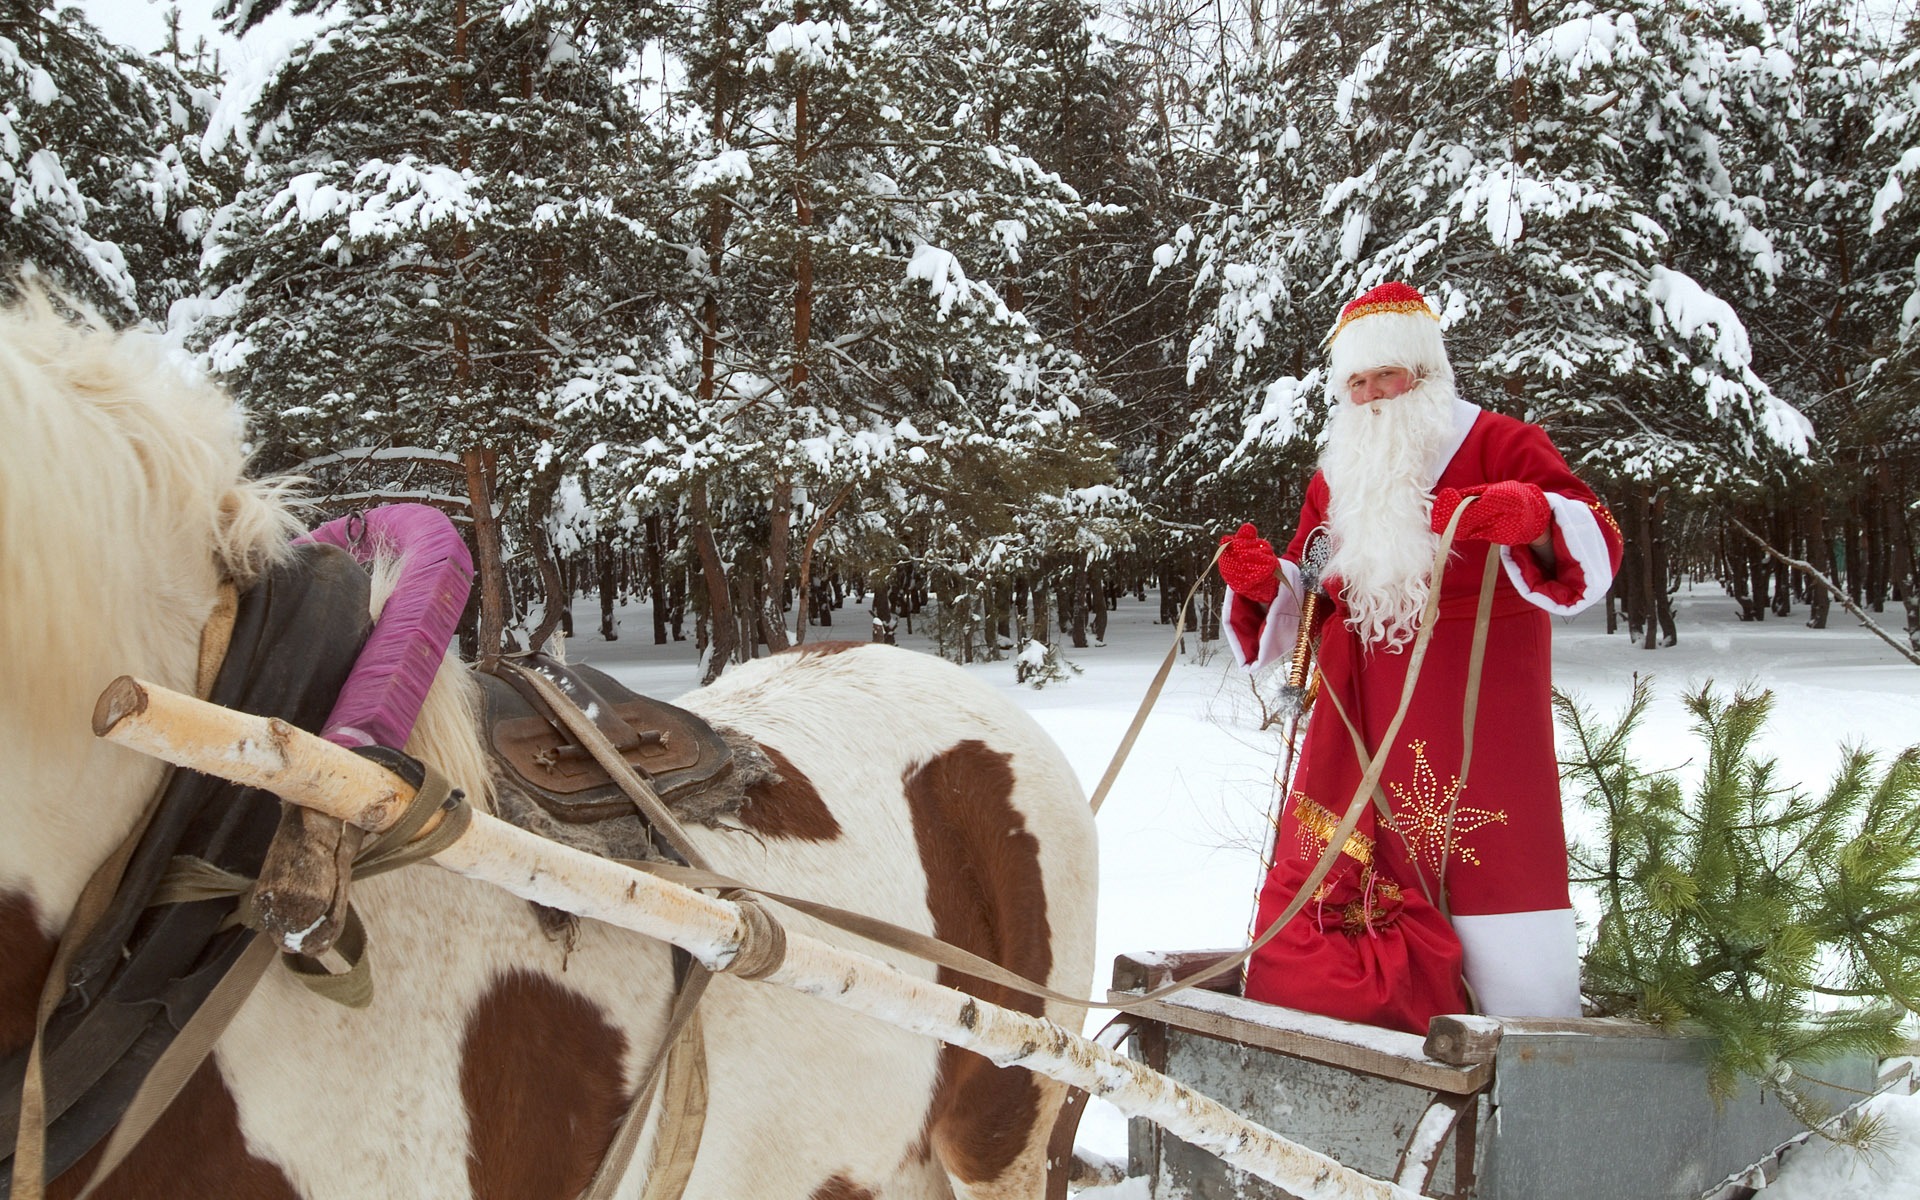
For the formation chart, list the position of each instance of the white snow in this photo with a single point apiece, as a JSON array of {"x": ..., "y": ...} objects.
[
  {"x": 946, "y": 280},
  {"x": 725, "y": 169},
  {"x": 809, "y": 43},
  {"x": 1181, "y": 831}
]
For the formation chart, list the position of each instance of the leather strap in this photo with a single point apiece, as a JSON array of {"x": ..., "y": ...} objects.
[
  {"x": 679, "y": 1072},
  {"x": 1153, "y": 690},
  {"x": 1469, "y": 711},
  {"x": 182, "y": 1058},
  {"x": 610, "y": 759}
]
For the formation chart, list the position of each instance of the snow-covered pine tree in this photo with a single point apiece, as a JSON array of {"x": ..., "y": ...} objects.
[
  {"x": 447, "y": 240},
  {"x": 1812, "y": 334},
  {"x": 856, "y": 223},
  {"x": 1885, "y": 302},
  {"x": 1087, "y": 282},
  {"x": 98, "y": 164},
  {"x": 1529, "y": 167}
]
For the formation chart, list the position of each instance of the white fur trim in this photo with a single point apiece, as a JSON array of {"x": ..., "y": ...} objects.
[
  {"x": 1282, "y": 625},
  {"x": 1388, "y": 339},
  {"x": 1524, "y": 964},
  {"x": 1581, "y": 532},
  {"x": 1465, "y": 414}
]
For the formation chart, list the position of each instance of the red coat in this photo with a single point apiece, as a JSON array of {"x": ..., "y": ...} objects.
[{"x": 1373, "y": 946}]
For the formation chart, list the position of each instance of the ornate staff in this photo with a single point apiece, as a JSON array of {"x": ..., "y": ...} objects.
[
  {"x": 1295, "y": 699},
  {"x": 1313, "y": 560}
]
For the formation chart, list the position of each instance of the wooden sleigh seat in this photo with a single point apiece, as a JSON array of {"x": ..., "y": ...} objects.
[{"x": 1482, "y": 1108}]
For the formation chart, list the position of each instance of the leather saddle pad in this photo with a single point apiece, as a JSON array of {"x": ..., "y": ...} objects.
[{"x": 671, "y": 748}]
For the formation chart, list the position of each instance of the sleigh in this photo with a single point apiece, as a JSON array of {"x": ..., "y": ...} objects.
[{"x": 1482, "y": 1108}]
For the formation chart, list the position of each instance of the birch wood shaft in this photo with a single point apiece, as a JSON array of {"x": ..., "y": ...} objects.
[{"x": 305, "y": 770}]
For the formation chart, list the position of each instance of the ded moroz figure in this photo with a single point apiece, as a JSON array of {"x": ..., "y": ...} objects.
[{"x": 1441, "y": 881}]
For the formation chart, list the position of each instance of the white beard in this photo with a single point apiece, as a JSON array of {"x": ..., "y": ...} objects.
[{"x": 1380, "y": 463}]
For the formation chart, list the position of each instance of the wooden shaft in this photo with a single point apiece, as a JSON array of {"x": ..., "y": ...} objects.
[
  {"x": 303, "y": 769},
  {"x": 261, "y": 752}
]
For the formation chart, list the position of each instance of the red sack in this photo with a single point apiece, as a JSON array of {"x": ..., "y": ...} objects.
[{"x": 1364, "y": 949}]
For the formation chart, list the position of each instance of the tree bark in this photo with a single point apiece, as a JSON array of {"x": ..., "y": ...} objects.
[
  {"x": 554, "y": 598},
  {"x": 720, "y": 620},
  {"x": 1648, "y": 588},
  {"x": 1097, "y": 598},
  {"x": 1821, "y": 556},
  {"x": 609, "y": 594},
  {"x": 770, "y": 613},
  {"x": 805, "y": 591},
  {"x": 480, "y": 465}
]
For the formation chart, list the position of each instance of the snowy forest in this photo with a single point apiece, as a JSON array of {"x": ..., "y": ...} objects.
[{"x": 788, "y": 314}]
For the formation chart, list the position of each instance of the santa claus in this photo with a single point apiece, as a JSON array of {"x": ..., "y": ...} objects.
[{"x": 1451, "y": 894}]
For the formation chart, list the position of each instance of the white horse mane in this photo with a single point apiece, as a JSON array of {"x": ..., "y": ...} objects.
[{"x": 148, "y": 468}]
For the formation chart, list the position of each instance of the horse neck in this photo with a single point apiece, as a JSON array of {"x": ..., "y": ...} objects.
[{"x": 68, "y": 799}]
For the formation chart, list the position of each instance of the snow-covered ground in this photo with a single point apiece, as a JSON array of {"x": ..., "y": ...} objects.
[{"x": 1180, "y": 833}]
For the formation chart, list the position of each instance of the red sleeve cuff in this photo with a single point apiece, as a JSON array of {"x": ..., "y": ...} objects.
[
  {"x": 1246, "y": 620},
  {"x": 1567, "y": 585}
]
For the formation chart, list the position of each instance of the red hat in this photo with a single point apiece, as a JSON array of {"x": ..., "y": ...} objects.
[{"x": 1388, "y": 326}]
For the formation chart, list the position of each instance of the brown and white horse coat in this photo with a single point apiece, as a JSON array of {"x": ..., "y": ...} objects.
[{"x": 494, "y": 1060}]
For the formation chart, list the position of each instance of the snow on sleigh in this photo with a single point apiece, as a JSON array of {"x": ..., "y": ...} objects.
[{"x": 1482, "y": 1108}]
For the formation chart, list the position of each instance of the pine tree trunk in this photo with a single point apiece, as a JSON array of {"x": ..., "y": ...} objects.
[
  {"x": 883, "y": 620},
  {"x": 480, "y": 466},
  {"x": 1819, "y": 554},
  {"x": 604, "y": 556},
  {"x": 1873, "y": 548},
  {"x": 554, "y": 596},
  {"x": 723, "y": 628},
  {"x": 1782, "y": 535},
  {"x": 804, "y": 592},
  {"x": 1856, "y": 564},
  {"x": 1662, "y": 610},
  {"x": 656, "y": 553},
  {"x": 771, "y": 612},
  {"x": 1077, "y": 596},
  {"x": 1759, "y": 572},
  {"x": 1098, "y": 599},
  {"x": 1648, "y": 588}
]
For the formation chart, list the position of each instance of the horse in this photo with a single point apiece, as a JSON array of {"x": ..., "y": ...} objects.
[{"x": 496, "y": 1059}]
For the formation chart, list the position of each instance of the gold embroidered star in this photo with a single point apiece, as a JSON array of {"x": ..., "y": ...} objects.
[{"x": 1423, "y": 808}]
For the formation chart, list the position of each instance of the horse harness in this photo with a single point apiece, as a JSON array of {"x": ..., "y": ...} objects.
[{"x": 134, "y": 980}]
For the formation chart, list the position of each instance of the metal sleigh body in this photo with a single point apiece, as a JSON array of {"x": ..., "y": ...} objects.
[{"x": 1483, "y": 1108}]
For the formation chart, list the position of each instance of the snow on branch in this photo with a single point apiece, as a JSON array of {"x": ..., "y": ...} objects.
[
  {"x": 1284, "y": 405},
  {"x": 1678, "y": 304},
  {"x": 1358, "y": 86},
  {"x": 813, "y": 44},
  {"x": 1506, "y": 197},
  {"x": 1594, "y": 42}
]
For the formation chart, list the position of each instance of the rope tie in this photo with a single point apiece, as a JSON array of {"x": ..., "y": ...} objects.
[
  {"x": 189, "y": 879},
  {"x": 764, "y": 948}
]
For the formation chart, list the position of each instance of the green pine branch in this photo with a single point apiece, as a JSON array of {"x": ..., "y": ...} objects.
[{"x": 1780, "y": 922}]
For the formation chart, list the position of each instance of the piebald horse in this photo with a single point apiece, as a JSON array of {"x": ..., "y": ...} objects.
[{"x": 494, "y": 1060}]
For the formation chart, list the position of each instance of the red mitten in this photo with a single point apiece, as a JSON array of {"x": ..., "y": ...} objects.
[
  {"x": 1509, "y": 512},
  {"x": 1248, "y": 564}
]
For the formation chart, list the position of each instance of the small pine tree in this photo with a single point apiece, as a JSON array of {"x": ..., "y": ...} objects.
[{"x": 1781, "y": 923}]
